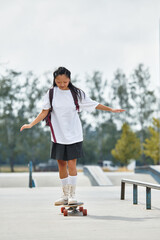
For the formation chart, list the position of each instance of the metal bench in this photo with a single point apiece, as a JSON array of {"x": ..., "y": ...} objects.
[{"x": 135, "y": 192}]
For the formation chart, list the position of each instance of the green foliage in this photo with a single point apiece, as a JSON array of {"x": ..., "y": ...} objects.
[
  {"x": 143, "y": 98},
  {"x": 97, "y": 88},
  {"x": 106, "y": 138},
  {"x": 152, "y": 144},
  {"x": 127, "y": 147},
  {"x": 98, "y": 144},
  {"x": 90, "y": 152},
  {"x": 120, "y": 96},
  {"x": 16, "y": 109},
  {"x": 9, "y": 90},
  {"x": 103, "y": 135}
]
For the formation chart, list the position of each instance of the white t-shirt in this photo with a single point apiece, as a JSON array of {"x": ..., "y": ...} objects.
[{"x": 64, "y": 117}]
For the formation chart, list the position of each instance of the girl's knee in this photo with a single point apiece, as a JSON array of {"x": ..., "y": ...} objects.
[
  {"x": 62, "y": 163},
  {"x": 72, "y": 167},
  {"x": 72, "y": 164}
]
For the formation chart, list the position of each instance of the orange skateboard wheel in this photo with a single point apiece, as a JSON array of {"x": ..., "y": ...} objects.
[
  {"x": 81, "y": 209},
  {"x": 84, "y": 212},
  {"x": 62, "y": 209},
  {"x": 65, "y": 212}
]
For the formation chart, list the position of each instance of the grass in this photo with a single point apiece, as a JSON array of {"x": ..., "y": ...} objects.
[
  {"x": 7, "y": 169},
  {"x": 120, "y": 169},
  {"x": 123, "y": 169}
]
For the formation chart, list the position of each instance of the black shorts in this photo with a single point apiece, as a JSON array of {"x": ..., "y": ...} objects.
[{"x": 66, "y": 152}]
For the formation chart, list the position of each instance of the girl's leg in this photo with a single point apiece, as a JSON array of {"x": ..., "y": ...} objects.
[
  {"x": 62, "y": 165},
  {"x": 63, "y": 174},
  {"x": 72, "y": 167},
  {"x": 72, "y": 180}
]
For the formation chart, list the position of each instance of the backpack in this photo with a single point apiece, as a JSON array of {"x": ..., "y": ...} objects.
[{"x": 47, "y": 119}]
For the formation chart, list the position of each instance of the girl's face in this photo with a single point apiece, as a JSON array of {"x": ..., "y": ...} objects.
[{"x": 62, "y": 81}]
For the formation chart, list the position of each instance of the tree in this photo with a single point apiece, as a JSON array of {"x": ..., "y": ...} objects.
[
  {"x": 109, "y": 135},
  {"x": 9, "y": 90},
  {"x": 97, "y": 91},
  {"x": 127, "y": 147},
  {"x": 152, "y": 144},
  {"x": 18, "y": 105},
  {"x": 121, "y": 97},
  {"x": 143, "y": 100},
  {"x": 142, "y": 97}
]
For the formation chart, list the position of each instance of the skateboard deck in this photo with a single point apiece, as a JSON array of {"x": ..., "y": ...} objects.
[
  {"x": 73, "y": 205},
  {"x": 73, "y": 208}
]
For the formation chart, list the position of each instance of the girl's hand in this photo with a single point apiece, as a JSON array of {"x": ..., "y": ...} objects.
[
  {"x": 25, "y": 126},
  {"x": 118, "y": 110}
]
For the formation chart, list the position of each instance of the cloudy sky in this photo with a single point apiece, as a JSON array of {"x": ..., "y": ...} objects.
[{"x": 82, "y": 35}]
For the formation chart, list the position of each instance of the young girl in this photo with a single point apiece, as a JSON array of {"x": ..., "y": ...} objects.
[{"x": 67, "y": 101}]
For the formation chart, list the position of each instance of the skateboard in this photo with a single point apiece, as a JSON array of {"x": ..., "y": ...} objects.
[{"x": 73, "y": 208}]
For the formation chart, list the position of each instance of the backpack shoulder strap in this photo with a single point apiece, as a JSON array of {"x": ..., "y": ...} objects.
[{"x": 51, "y": 97}]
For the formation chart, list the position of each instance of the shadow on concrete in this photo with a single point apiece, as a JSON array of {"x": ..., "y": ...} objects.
[
  {"x": 119, "y": 218},
  {"x": 152, "y": 206}
]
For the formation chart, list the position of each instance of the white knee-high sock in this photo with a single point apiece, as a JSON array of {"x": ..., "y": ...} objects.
[
  {"x": 64, "y": 181},
  {"x": 72, "y": 180}
]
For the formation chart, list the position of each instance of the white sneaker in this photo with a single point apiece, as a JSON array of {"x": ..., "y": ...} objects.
[
  {"x": 72, "y": 198},
  {"x": 64, "y": 198}
]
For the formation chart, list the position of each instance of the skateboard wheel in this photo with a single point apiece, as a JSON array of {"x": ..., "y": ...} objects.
[
  {"x": 81, "y": 209},
  {"x": 65, "y": 212},
  {"x": 62, "y": 209},
  {"x": 84, "y": 212}
]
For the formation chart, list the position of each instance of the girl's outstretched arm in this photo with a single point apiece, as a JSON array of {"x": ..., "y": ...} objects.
[
  {"x": 39, "y": 118},
  {"x": 105, "y": 108}
]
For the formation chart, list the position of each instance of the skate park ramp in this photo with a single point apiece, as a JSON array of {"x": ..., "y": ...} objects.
[
  {"x": 96, "y": 176},
  {"x": 153, "y": 170},
  {"x": 99, "y": 178}
]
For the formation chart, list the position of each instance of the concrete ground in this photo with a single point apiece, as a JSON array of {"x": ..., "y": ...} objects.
[{"x": 29, "y": 214}]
